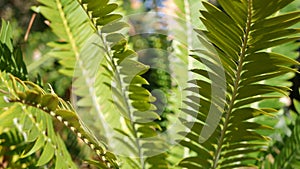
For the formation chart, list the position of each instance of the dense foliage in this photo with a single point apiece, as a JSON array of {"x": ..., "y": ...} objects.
[{"x": 204, "y": 93}]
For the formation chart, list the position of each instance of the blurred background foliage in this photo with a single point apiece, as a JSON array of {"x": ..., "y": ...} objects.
[
  {"x": 153, "y": 49},
  {"x": 41, "y": 67}
]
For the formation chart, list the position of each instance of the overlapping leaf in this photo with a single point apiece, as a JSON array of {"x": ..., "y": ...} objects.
[
  {"x": 182, "y": 23},
  {"x": 101, "y": 83},
  {"x": 80, "y": 52},
  {"x": 182, "y": 18},
  {"x": 223, "y": 135},
  {"x": 121, "y": 74},
  {"x": 37, "y": 125}
]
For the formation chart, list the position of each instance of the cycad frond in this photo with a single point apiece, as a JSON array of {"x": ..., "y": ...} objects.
[
  {"x": 224, "y": 135},
  {"x": 72, "y": 27},
  {"x": 80, "y": 51},
  {"x": 124, "y": 85},
  {"x": 35, "y": 126},
  {"x": 38, "y": 125},
  {"x": 107, "y": 76}
]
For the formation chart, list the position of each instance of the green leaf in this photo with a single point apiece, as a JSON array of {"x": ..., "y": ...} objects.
[
  {"x": 39, "y": 125},
  {"x": 259, "y": 89},
  {"x": 108, "y": 19},
  {"x": 49, "y": 101},
  {"x": 290, "y": 153},
  {"x": 236, "y": 9},
  {"x": 47, "y": 154},
  {"x": 6, "y": 34},
  {"x": 39, "y": 143},
  {"x": 115, "y": 37},
  {"x": 222, "y": 131},
  {"x": 107, "y": 9},
  {"x": 269, "y": 9},
  {"x": 277, "y": 20},
  {"x": 113, "y": 27},
  {"x": 11, "y": 58}
]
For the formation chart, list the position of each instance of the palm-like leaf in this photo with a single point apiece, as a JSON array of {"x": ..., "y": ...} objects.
[
  {"x": 107, "y": 76},
  {"x": 40, "y": 129},
  {"x": 183, "y": 17},
  {"x": 224, "y": 136},
  {"x": 35, "y": 126},
  {"x": 124, "y": 84},
  {"x": 79, "y": 55},
  {"x": 72, "y": 27}
]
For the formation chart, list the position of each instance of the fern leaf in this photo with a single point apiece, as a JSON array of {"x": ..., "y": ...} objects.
[{"x": 224, "y": 135}]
